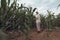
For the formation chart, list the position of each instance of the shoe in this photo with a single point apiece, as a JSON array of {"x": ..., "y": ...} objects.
[{"x": 38, "y": 31}]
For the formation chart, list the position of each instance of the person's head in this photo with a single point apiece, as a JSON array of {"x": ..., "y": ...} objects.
[{"x": 37, "y": 12}]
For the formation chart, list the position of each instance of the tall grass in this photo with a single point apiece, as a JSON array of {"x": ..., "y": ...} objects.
[{"x": 15, "y": 17}]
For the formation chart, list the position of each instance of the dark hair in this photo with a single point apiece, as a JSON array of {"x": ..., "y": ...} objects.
[{"x": 36, "y": 12}]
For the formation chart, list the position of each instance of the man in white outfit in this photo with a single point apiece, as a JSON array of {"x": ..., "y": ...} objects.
[{"x": 38, "y": 22}]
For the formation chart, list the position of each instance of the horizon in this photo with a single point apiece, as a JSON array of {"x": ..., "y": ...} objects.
[{"x": 42, "y": 5}]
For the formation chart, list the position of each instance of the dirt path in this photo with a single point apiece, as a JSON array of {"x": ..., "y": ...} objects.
[{"x": 54, "y": 35}]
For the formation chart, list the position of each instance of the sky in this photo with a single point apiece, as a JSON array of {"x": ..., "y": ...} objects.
[{"x": 42, "y": 5}]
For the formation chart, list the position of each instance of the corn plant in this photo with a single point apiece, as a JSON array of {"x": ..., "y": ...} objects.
[
  {"x": 14, "y": 17},
  {"x": 49, "y": 20}
]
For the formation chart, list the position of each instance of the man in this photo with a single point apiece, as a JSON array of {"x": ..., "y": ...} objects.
[{"x": 38, "y": 22}]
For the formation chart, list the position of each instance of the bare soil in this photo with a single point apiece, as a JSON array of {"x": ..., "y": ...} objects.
[{"x": 33, "y": 35}]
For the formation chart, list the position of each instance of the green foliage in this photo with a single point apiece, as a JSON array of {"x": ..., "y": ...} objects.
[
  {"x": 57, "y": 20},
  {"x": 8, "y": 2},
  {"x": 49, "y": 20},
  {"x": 3, "y": 36},
  {"x": 58, "y": 6},
  {"x": 3, "y": 4},
  {"x": 43, "y": 21},
  {"x": 13, "y": 17},
  {"x": 21, "y": 18}
]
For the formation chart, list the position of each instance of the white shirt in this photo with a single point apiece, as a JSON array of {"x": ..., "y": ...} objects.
[{"x": 37, "y": 18}]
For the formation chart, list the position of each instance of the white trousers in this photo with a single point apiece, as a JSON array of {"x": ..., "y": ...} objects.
[{"x": 38, "y": 26}]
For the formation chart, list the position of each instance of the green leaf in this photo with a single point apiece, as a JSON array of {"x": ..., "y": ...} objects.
[
  {"x": 3, "y": 4},
  {"x": 58, "y": 6},
  {"x": 34, "y": 9},
  {"x": 8, "y": 2}
]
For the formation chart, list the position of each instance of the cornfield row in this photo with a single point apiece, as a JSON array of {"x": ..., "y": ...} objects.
[{"x": 15, "y": 17}]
